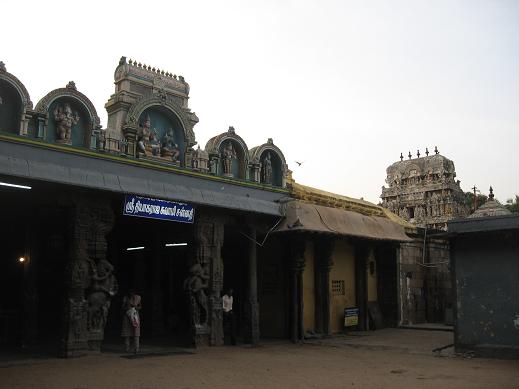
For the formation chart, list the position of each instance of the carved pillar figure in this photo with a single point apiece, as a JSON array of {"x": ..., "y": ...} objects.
[
  {"x": 75, "y": 336},
  {"x": 89, "y": 278},
  {"x": 206, "y": 302},
  {"x": 323, "y": 264},
  {"x": 297, "y": 265},
  {"x": 253, "y": 334}
]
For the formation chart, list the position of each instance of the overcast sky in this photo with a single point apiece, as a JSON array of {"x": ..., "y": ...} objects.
[{"x": 343, "y": 86}]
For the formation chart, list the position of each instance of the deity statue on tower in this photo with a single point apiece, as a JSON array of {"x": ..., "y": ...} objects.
[
  {"x": 228, "y": 155},
  {"x": 65, "y": 118}
]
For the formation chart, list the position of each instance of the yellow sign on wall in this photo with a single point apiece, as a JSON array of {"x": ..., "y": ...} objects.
[{"x": 351, "y": 317}]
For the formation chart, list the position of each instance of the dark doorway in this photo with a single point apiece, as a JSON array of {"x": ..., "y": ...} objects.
[
  {"x": 387, "y": 286},
  {"x": 235, "y": 252},
  {"x": 273, "y": 289},
  {"x": 32, "y": 267},
  {"x": 152, "y": 257}
]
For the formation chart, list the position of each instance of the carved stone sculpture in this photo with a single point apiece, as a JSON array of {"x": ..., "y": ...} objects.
[
  {"x": 65, "y": 118},
  {"x": 267, "y": 169},
  {"x": 228, "y": 155},
  {"x": 104, "y": 287},
  {"x": 169, "y": 147},
  {"x": 195, "y": 285},
  {"x": 154, "y": 144},
  {"x": 143, "y": 135}
]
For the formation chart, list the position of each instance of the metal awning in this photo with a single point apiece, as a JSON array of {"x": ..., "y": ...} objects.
[
  {"x": 304, "y": 217},
  {"x": 38, "y": 163}
]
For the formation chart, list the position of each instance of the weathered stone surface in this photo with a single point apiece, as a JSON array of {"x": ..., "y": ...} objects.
[{"x": 424, "y": 192}]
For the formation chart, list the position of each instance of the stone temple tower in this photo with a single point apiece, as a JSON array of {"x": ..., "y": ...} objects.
[{"x": 424, "y": 191}]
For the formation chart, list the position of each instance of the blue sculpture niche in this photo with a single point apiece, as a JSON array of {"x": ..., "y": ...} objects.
[{"x": 160, "y": 135}]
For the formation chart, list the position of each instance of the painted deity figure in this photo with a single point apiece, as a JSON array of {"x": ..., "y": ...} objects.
[
  {"x": 267, "y": 169},
  {"x": 228, "y": 155},
  {"x": 65, "y": 118},
  {"x": 169, "y": 147},
  {"x": 143, "y": 135},
  {"x": 154, "y": 143}
]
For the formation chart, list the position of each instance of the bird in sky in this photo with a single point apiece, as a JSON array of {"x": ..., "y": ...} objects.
[{"x": 299, "y": 163}]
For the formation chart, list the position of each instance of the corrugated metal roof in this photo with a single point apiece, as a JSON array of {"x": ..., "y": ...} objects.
[{"x": 301, "y": 216}]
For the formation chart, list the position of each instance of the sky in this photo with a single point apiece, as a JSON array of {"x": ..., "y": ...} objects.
[{"x": 342, "y": 86}]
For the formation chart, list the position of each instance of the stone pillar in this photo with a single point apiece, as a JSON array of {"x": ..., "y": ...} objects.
[
  {"x": 207, "y": 270},
  {"x": 297, "y": 265},
  {"x": 24, "y": 123},
  {"x": 253, "y": 333},
  {"x": 40, "y": 134},
  {"x": 324, "y": 262},
  {"x": 89, "y": 277}
]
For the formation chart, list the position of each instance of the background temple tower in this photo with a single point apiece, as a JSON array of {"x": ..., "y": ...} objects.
[{"x": 423, "y": 190}]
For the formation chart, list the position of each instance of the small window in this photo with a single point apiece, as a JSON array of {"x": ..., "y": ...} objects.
[{"x": 338, "y": 288}]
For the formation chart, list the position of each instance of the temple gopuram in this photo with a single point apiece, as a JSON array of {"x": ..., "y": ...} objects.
[
  {"x": 424, "y": 191},
  {"x": 91, "y": 212}
]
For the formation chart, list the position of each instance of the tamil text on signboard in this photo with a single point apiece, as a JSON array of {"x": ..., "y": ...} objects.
[{"x": 158, "y": 209}]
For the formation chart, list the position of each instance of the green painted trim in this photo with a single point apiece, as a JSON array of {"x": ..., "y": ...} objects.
[{"x": 133, "y": 162}]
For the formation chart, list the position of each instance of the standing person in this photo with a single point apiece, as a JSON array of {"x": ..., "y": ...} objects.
[
  {"x": 228, "y": 315},
  {"x": 131, "y": 327}
]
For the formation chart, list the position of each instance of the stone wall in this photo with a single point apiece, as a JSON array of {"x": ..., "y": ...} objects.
[{"x": 424, "y": 282}]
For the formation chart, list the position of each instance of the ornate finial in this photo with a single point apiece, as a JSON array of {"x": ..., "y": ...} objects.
[
  {"x": 139, "y": 65},
  {"x": 270, "y": 141},
  {"x": 122, "y": 60},
  {"x": 409, "y": 155},
  {"x": 231, "y": 129},
  {"x": 71, "y": 85},
  {"x": 436, "y": 150},
  {"x": 401, "y": 157},
  {"x": 2, "y": 67},
  {"x": 153, "y": 70},
  {"x": 418, "y": 153},
  {"x": 149, "y": 67},
  {"x": 426, "y": 151},
  {"x": 491, "y": 194},
  {"x": 181, "y": 78},
  {"x": 130, "y": 62}
]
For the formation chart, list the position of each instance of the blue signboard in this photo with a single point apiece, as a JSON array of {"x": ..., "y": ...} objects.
[
  {"x": 158, "y": 209},
  {"x": 351, "y": 317}
]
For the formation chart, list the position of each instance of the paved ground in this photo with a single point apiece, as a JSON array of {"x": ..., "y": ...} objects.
[
  {"x": 397, "y": 339},
  {"x": 318, "y": 364}
]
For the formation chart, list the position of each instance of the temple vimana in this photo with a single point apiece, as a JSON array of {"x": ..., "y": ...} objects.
[{"x": 424, "y": 190}]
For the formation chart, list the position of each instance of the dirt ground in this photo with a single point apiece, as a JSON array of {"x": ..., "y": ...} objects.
[{"x": 271, "y": 365}]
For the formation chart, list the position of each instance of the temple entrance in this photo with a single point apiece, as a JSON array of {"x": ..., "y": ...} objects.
[
  {"x": 32, "y": 267},
  {"x": 273, "y": 290},
  {"x": 387, "y": 288},
  {"x": 152, "y": 257},
  {"x": 235, "y": 252}
]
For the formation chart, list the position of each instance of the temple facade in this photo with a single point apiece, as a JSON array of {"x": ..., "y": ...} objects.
[
  {"x": 91, "y": 212},
  {"x": 424, "y": 191}
]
